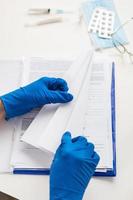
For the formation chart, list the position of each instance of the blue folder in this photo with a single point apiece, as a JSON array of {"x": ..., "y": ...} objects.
[{"x": 111, "y": 172}]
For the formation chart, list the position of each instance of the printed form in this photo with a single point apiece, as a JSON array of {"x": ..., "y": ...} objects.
[
  {"x": 91, "y": 116},
  {"x": 25, "y": 155}
]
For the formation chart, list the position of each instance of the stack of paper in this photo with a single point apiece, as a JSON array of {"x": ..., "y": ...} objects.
[
  {"x": 34, "y": 137},
  {"x": 29, "y": 154},
  {"x": 89, "y": 114},
  {"x": 15, "y": 73}
]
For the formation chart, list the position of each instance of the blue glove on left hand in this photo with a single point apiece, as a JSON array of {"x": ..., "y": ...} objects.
[
  {"x": 73, "y": 166},
  {"x": 43, "y": 91}
]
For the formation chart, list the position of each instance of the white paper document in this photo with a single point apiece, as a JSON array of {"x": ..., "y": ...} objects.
[
  {"x": 24, "y": 155},
  {"x": 89, "y": 114},
  {"x": 15, "y": 73},
  {"x": 58, "y": 123},
  {"x": 74, "y": 78},
  {"x": 32, "y": 139}
]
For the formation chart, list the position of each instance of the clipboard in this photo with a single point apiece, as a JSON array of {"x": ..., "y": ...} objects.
[{"x": 108, "y": 173}]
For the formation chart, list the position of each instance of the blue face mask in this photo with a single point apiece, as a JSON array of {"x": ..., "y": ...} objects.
[{"x": 99, "y": 43}]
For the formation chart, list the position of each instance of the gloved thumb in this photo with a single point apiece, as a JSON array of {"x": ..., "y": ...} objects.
[{"x": 66, "y": 138}]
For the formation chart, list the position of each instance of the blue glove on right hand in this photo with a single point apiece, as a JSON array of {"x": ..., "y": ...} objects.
[{"x": 73, "y": 166}]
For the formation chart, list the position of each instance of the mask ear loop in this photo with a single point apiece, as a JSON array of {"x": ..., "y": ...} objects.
[
  {"x": 125, "y": 50},
  {"x": 116, "y": 44},
  {"x": 130, "y": 55},
  {"x": 122, "y": 25}
]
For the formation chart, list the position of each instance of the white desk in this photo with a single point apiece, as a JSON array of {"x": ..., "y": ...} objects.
[{"x": 65, "y": 40}]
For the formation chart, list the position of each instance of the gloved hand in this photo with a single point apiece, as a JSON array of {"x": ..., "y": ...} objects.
[
  {"x": 73, "y": 166},
  {"x": 43, "y": 91}
]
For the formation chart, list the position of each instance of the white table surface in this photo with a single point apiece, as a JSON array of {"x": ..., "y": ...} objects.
[{"x": 65, "y": 40}]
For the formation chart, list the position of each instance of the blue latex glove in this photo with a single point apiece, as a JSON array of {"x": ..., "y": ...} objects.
[
  {"x": 43, "y": 91},
  {"x": 73, "y": 166}
]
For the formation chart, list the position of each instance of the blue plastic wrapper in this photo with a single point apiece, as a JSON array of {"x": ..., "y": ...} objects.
[{"x": 100, "y": 43}]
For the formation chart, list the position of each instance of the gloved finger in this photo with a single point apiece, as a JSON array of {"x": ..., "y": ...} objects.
[
  {"x": 59, "y": 97},
  {"x": 62, "y": 84},
  {"x": 80, "y": 143},
  {"x": 96, "y": 158},
  {"x": 80, "y": 140},
  {"x": 66, "y": 138},
  {"x": 90, "y": 147},
  {"x": 75, "y": 139},
  {"x": 57, "y": 84}
]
